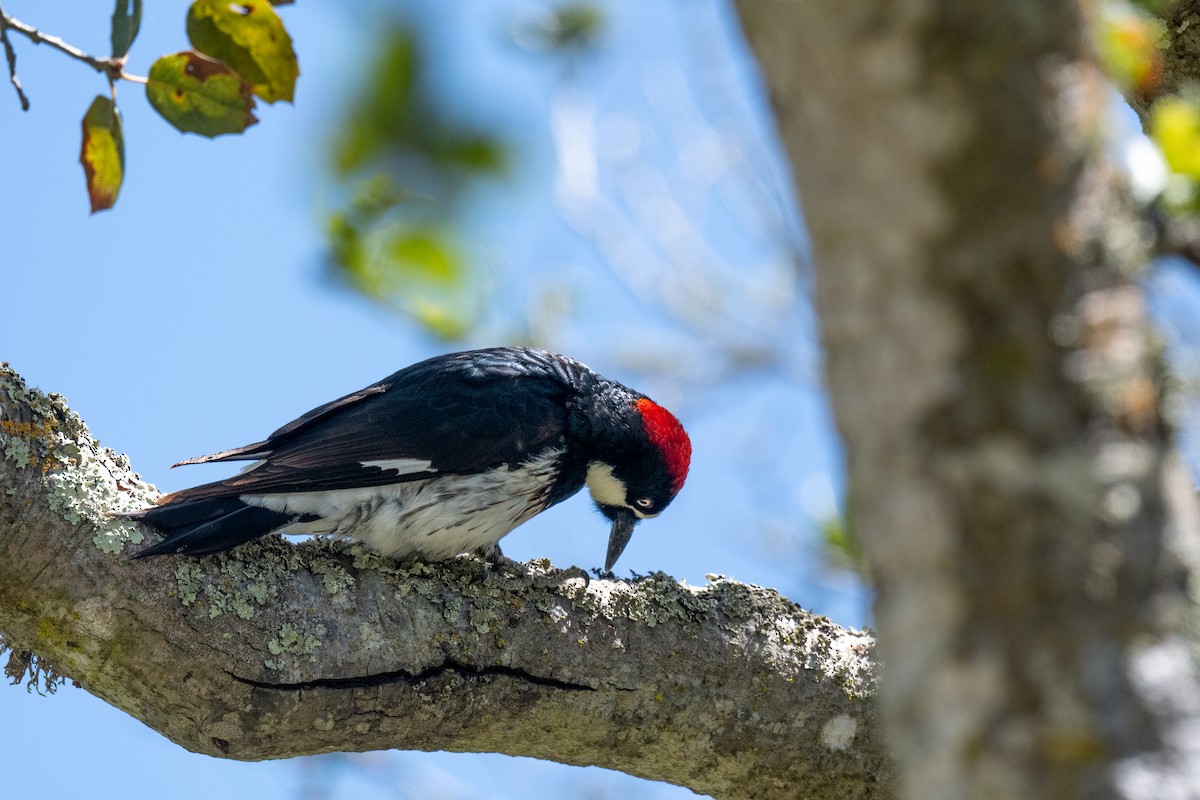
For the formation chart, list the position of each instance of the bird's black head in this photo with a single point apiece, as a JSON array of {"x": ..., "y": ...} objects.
[{"x": 638, "y": 467}]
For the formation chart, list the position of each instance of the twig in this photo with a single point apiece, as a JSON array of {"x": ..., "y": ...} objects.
[
  {"x": 11, "y": 55},
  {"x": 113, "y": 68}
]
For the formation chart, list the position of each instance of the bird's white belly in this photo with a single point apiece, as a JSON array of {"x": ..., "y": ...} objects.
[{"x": 437, "y": 517}]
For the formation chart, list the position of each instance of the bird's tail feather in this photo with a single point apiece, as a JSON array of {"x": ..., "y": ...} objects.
[{"x": 208, "y": 525}]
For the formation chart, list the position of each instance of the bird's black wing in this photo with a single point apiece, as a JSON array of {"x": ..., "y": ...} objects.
[{"x": 463, "y": 413}]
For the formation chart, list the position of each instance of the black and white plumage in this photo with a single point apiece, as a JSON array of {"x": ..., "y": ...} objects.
[{"x": 444, "y": 457}]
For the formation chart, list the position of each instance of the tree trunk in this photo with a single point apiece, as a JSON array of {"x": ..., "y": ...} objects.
[{"x": 996, "y": 388}]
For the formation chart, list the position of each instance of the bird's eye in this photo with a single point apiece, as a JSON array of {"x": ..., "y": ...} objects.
[{"x": 644, "y": 502}]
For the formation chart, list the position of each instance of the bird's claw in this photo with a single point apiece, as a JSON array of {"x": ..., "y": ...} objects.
[{"x": 577, "y": 572}]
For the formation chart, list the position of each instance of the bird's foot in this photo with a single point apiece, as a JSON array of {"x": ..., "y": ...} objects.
[
  {"x": 541, "y": 572},
  {"x": 576, "y": 572}
]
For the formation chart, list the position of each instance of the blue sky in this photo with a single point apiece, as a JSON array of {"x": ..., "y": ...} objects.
[{"x": 195, "y": 317}]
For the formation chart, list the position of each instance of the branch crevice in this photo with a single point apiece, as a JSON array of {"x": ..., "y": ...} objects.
[{"x": 414, "y": 679}]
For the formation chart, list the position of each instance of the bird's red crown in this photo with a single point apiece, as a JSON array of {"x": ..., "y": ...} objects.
[{"x": 669, "y": 437}]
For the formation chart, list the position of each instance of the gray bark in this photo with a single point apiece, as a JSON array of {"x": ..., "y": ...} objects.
[
  {"x": 279, "y": 650},
  {"x": 997, "y": 390},
  {"x": 1180, "y": 54}
]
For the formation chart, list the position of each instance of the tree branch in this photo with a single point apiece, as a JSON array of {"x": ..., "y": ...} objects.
[
  {"x": 10, "y": 56},
  {"x": 279, "y": 650},
  {"x": 112, "y": 68}
]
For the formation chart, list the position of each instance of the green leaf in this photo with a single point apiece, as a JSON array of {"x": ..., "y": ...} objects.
[
  {"x": 349, "y": 252},
  {"x": 424, "y": 256},
  {"x": 125, "y": 24},
  {"x": 199, "y": 95},
  {"x": 1175, "y": 128},
  {"x": 415, "y": 270},
  {"x": 841, "y": 547},
  {"x": 571, "y": 27},
  {"x": 398, "y": 117},
  {"x": 383, "y": 116},
  {"x": 103, "y": 153},
  {"x": 248, "y": 36}
]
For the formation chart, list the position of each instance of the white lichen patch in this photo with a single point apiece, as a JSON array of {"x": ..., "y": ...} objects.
[
  {"x": 294, "y": 641},
  {"x": 560, "y": 617},
  {"x": 841, "y": 654},
  {"x": 793, "y": 641},
  {"x": 337, "y": 581},
  {"x": 652, "y": 600},
  {"x": 85, "y": 483},
  {"x": 189, "y": 581},
  {"x": 112, "y": 536},
  {"x": 239, "y": 582},
  {"x": 90, "y": 485},
  {"x": 838, "y": 733},
  {"x": 370, "y": 635},
  {"x": 482, "y": 616},
  {"x": 16, "y": 450}
]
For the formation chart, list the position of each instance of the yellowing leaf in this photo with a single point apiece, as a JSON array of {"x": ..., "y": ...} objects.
[
  {"x": 199, "y": 95},
  {"x": 103, "y": 153},
  {"x": 1128, "y": 43},
  {"x": 1175, "y": 128},
  {"x": 248, "y": 36}
]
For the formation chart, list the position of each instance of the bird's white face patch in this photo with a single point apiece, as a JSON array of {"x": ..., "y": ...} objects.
[
  {"x": 403, "y": 466},
  {"x": 609, "y": 490},
  {"x": 605, "y": 487}
]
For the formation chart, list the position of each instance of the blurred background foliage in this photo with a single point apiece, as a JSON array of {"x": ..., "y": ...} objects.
[
  {"x": 405, "y": 162},
  {"x": 413, "y": 160}
]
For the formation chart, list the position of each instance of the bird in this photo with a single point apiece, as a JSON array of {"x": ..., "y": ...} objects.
[{"x": 442, "y": 458}]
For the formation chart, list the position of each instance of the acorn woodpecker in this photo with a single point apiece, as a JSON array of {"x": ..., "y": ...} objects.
[{"x": 444, "y": 457}]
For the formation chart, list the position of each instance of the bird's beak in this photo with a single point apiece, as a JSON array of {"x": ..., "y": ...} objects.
[{"x": 624, "y": 521}]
